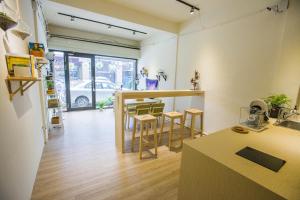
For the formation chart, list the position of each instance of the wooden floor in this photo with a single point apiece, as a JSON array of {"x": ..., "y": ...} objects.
[{"x": 83, "y": 163}]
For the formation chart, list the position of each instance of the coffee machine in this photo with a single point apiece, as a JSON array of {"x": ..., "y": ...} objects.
[{"x": 255, "y": 117}]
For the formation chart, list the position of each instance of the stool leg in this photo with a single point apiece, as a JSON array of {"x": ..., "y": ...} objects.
[
  {"x": 171, "y": 133},
  {"x": 125, "y": 120},
  {"x": 201, "y": 123},
  {"x": 133, "y": 135},
  {"x": 161, "y": 128},
  {"x": 147, "y": 130},
  {"x": 128, "y": 122},
  {"x": 155, "y": 137},
  {"x": 157, "y": 123},
  {"x": 141, "y": 141},
  {"x": 184, "y": 118},
  {"x": 193, "y": 126},
  {"x": 182, "y": 130}
]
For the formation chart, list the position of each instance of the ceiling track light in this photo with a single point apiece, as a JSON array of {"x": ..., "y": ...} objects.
[
  {"x": 109, "y": 26},
  {"x": 192, "y": 11},
  {"x": 193, "y": 8}
]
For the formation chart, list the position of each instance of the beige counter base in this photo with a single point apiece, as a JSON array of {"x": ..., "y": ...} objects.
[
  {"x": 211, "y": 169},
  {"x": 204, "y": 178}
]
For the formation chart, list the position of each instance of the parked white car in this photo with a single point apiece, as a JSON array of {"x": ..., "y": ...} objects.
[{"x": 81, "y": 94}]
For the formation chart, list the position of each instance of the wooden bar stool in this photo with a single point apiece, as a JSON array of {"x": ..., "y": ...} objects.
[
  {"x": 172, "y": 116},
  {"x": 194, "y": 112},
  {"x": 131, "y": 111},
  {"x": 147, "y": 120}
]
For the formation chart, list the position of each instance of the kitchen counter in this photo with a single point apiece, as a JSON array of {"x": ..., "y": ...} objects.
[{"x": 211, "y": 169}]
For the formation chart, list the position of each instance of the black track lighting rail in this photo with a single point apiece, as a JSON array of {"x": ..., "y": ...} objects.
[
  {"x": 93, "y": 41},
  {"x": 103, "y": 23},
  {"x": 188, "y": 4}
]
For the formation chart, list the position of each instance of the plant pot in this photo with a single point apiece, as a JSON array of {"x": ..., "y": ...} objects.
[
  {"x": 55, "y": 120},
  {"x": 274, "y": 112}
]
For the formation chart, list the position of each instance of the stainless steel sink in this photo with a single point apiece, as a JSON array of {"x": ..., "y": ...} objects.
[{"x": 290, "y": 124}]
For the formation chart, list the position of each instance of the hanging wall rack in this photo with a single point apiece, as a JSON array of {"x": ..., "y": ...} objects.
[{"x": 24, "y": 84}]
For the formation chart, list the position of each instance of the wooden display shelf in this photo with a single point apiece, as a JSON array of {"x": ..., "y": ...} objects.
[
  {"x": 55, "y": 107},
  {"x": 6, "y": 22},
  {"x": 21, "y": 33},
  {"x": 41, "y": 61},
  {"x": 24, "y": 84}
]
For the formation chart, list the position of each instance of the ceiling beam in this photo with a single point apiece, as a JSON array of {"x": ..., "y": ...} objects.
[{"x": 120, "y": 12}]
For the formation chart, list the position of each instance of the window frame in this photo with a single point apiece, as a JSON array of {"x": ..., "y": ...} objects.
[{"x": 66, "y": 53}]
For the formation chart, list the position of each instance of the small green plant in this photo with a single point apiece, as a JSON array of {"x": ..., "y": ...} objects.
[
  {"x": 109, "y": 101},
  {"x": 276, "y": 102},
  {"x": 101, "y": 104},
  {"x": 104, "y": 102},
  {"x": 50, "y": 84},
  {"x": 280, "y": 100}
]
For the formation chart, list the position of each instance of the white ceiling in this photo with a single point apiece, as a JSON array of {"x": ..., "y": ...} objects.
[
  {"x": 51, "y": 10},
  {"x": 177, "y": 12},
  {"x": 171, "y": 10}
]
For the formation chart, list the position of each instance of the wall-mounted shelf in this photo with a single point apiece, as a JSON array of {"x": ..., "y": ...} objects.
[
  {"x": 8, "y": 16},
  {"x": 21, "y": 33},
  {"x": 6, "y": 22},
  {"x": 22, "y": 29},
  {"x": 41, "y": 61},
  {"x": 24, "y": 84}
]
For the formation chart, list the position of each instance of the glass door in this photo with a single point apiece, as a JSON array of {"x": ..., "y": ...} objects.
[
  {"x": 111, "y": 74},
  {"x": 58, "y": 68},
  {"x": 80, "y": 81},
  {"x": 86, "y": 81}
]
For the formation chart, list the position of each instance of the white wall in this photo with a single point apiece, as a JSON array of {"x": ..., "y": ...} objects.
[
  {"x": 86, "y": 47},
  {"x": 160, "y": 53},
  {"x": 21, "y": 135},
  {"x": 287, "y": 73},
  {"x": 236, "y": 62}
]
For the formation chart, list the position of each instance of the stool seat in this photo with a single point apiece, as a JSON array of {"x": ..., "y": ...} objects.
[
  {"x": 194, "y": 111},
  {"x": 144, "y": 118},
  {"x": 173, "y": 114}
]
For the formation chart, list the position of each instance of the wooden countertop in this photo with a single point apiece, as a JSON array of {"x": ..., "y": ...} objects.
[
  {"x": 159, "y": 93},
  {"x": 281, "y": 142},
  {"x": 136, "y": 102}
]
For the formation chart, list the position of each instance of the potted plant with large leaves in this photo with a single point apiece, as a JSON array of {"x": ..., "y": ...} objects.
[{"x": 276, "y": 102}]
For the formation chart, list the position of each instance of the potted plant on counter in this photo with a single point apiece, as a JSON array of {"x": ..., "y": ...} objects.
[{"x": 276, "y": 102}]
